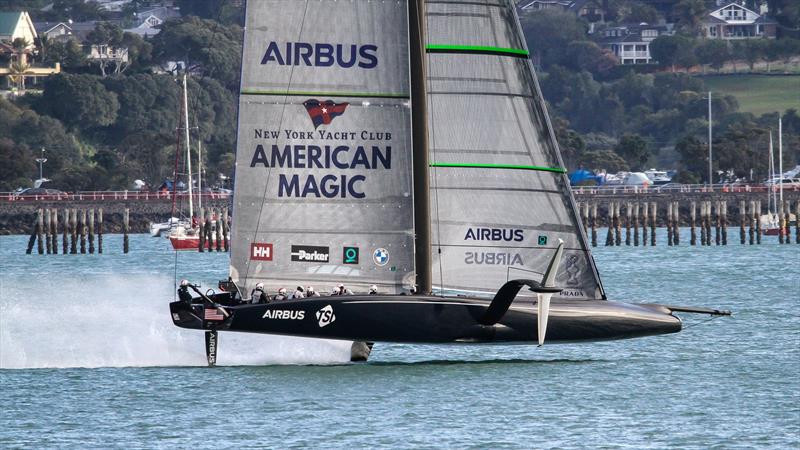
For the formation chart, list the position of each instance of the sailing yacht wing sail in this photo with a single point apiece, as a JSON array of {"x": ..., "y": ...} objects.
[
  {"x": 500, "y": 199},
  {"x": 323, "y": 191}
]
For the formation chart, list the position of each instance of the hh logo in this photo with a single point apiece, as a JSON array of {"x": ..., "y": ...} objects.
[
  {"x": 325, "y": 316},
  {"x": 261, "y": 252}
]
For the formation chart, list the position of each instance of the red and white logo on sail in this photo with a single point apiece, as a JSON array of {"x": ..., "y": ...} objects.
[{"x": 260, "y": 251}]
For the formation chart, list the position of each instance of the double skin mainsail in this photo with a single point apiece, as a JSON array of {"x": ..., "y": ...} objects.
[{"x": 404, "y": 145}]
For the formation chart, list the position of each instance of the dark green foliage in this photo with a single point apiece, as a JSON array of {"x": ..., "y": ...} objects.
[
  {"x": 89, "y": 103},
  {"x": 633, "y": 149},
  {"x": 548, "y": 33},
  {"x": 223, "y": 11},
  {"x": 603, "y": 160},
  {"x": 17, "y": 166},
  {"x": 671, "y": 51}
]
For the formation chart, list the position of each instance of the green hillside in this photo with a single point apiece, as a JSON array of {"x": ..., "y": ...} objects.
[{"x": 759, "y": 94}]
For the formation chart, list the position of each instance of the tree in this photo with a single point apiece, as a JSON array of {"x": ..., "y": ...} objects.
[
  {"x": 640, "y": 13},
  {"x": 689, "y": 15},
  {"x": 16, "y": 165},
  {"x": 599, "y": 160},
  {"x": 549, "y": 31},
  {"x": 633, "y": 149},
  {"x": 754, "y": 51},
  {"x": 79, "y": 101},
  {"x": 672, "y": 50},
  {"x": 104, "y": 35},
  {"x": 694, "y": 156},
  {"x": 69, "y": 54},
  {"x": 204, "y": 45},
  {"x": 586, "y": 55},
  {"x": 713, "y": 52},
  {"x": 223, "y": 11}
]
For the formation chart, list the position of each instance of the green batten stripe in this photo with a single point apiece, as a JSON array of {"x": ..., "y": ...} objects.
[
  {"x": 438, "y": 48},
  {"x": 500, "y": 166},
  {"x": 325, "y": 94}
]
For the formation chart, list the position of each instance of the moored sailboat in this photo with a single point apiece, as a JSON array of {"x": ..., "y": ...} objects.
[{"x": 410, "y": 150}]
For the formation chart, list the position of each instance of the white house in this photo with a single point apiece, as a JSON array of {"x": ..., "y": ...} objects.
[
  {"x": 734, "y": 21},
  {"x": 631, "y": 43}
]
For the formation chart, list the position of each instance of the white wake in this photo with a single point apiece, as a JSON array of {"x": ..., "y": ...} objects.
[{"x": 124, "y": 321}]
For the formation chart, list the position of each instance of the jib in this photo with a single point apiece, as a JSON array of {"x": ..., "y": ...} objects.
[
  {"x": 284, "y": 314},
  {"x": 494, "y": 234},
  {"x": 322, "y": 55}
]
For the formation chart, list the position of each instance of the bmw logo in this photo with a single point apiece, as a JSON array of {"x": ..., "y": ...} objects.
[{"x": 381, "y": 256}]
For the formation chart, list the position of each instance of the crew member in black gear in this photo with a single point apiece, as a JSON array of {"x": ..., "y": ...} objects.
[
  {"x": 183, "y": 292},
  {"x": 258, "y": 295}
]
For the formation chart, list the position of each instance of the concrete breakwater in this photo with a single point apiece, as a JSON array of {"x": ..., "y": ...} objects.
[{"x": 19, "y": 217}]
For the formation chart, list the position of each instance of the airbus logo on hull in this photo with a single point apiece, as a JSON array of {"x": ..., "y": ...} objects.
[
  {"x": 321, "y": 54},
  {"x": 284, "y": 314},
  {"x": 494, "y": 234}
]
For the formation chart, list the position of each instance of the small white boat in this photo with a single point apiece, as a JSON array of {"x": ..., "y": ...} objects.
[{"x": 157, "y": 228}]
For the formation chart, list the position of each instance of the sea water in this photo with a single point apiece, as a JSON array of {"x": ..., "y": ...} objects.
[{"x": 89, "y": 358}]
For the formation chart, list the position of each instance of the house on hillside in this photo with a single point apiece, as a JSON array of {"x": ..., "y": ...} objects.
[
  {"x": 148, "y": 20},
  {"x": 14, "y": 25},
  {"x": 631, "y": 43},
  {"x": 734, "y": 21},
  {"x": 53, "y": 31},
  {"x": 591, "y": 10}
]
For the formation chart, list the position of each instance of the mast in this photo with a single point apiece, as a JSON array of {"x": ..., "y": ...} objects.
[
  {"x": 710, "y": 174},
  {"x": 780, "y": 161},
  {"x": 199, "y": 173},
  {"x": 188, "y": 149},
  {"x": 772, "y": 178},
  {"x": 419, "y": 120}
]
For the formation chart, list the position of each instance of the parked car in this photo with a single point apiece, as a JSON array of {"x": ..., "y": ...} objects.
[{"x": 39, "y": 191}]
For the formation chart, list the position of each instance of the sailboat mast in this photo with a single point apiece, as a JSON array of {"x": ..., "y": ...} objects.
[
  {"x": 710, "y": 174},
  {"x": 422, "y": 209},
  {"x": 199, "y": 173},
  {"x": 188, "y": 149},
  {"x": 772, "y": 177},
  {"x": 780, "y": 161}
]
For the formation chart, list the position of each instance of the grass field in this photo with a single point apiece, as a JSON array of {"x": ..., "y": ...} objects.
[{"x": 759, "y": 94}]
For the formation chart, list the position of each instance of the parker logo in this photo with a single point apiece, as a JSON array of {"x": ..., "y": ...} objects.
[
  {"x": 284, "y": 314},
  {"x": 325, "y": 316},
  {"x": 305, "y": 253},
  {"x": 260, "y": 251},
  {"x": 350, "y": 255},
  {"x": 323, "y": 113}
]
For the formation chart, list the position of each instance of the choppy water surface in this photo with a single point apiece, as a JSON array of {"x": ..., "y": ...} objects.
[{"x": 90, "y": 359}]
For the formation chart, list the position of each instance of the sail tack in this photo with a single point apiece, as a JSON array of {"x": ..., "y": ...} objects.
[
  {"x": 323, "y": 191},
  {"x": 499, "y": 196}
]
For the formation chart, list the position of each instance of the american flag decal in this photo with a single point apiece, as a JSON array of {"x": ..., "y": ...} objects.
[{"x": 213, "y": 314}]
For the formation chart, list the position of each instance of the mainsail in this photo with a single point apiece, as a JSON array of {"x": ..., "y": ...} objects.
[
  {"x": 323, "y": 189},
  {"x": 499, "y": 195}
]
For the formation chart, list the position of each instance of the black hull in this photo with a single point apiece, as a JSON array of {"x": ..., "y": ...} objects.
[{"x": 430, "y": 319}]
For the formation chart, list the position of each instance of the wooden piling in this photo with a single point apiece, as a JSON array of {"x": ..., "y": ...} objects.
[
  {"x": 645, "y": 221},
  {"x": 207, "y": 229},
  {"x": 73, "y": 230},
  {"x": 225, "y": 225},
  {"x": 91, "y": 231},
  {"x": 47, "y": 243},
  {"x": 742, "y": 216},
  {"x": 39, "y": 229},
  {"x": 610, "y": 233},
  {"x": 218, "y": 232},
  {"x": 628, "y": 210},
  {"x": 617, "y": 224},
  {"x": 785, "y": 230},
  {"x": 758, "y": 221},
  {"x": 584, "y": 217},
  {"x": 65, "y": 233},
  {"x": 676, "y": 221},
  {"x": 797, "y": 223},
  {"x": 125, "y": 230},
  {"x": 32, "y": 239},
  {"x": 752, "y": 222},
  {"x": 724, "y": 222},
  {"x": 693, "y": 218},
  {"x": 653, "y": 223},
  {"x": 669, "y": 224},
  {"x": 201, "y": 229},
  {"x": 100, "y": 230},
  {"x": 594, "y": 225},
  {"x": 82, "y": 230},
  {"x": 703, "y": 223},
  {"x": 717, "y": 223},
  {"x": 54, "y": 231},
  {"x": 636, "y": 224},
  {"x": 708, "y": 222}
]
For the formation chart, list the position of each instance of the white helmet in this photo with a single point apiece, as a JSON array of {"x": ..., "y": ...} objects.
[
  {"x": 282, "y": 291},
  {"x": 309, "y": 288},
  {"x": 184, "y": 283},
  {"x": 341, "y": 286},
  {"x": 259, "y": 286},
  {"x": 373, "y": 288}
]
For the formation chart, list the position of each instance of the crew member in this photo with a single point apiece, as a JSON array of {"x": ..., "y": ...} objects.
[
  {"x": 281, "y": 295},
  {"x": 183, "y": 292},
  {"x": 298, "y": 293},
  {"x": 373, "y": 290},
  {"x": 310, "y": 292},
  {"x": 258, "y": 295},
  {"x": 341, "y": 290}
]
